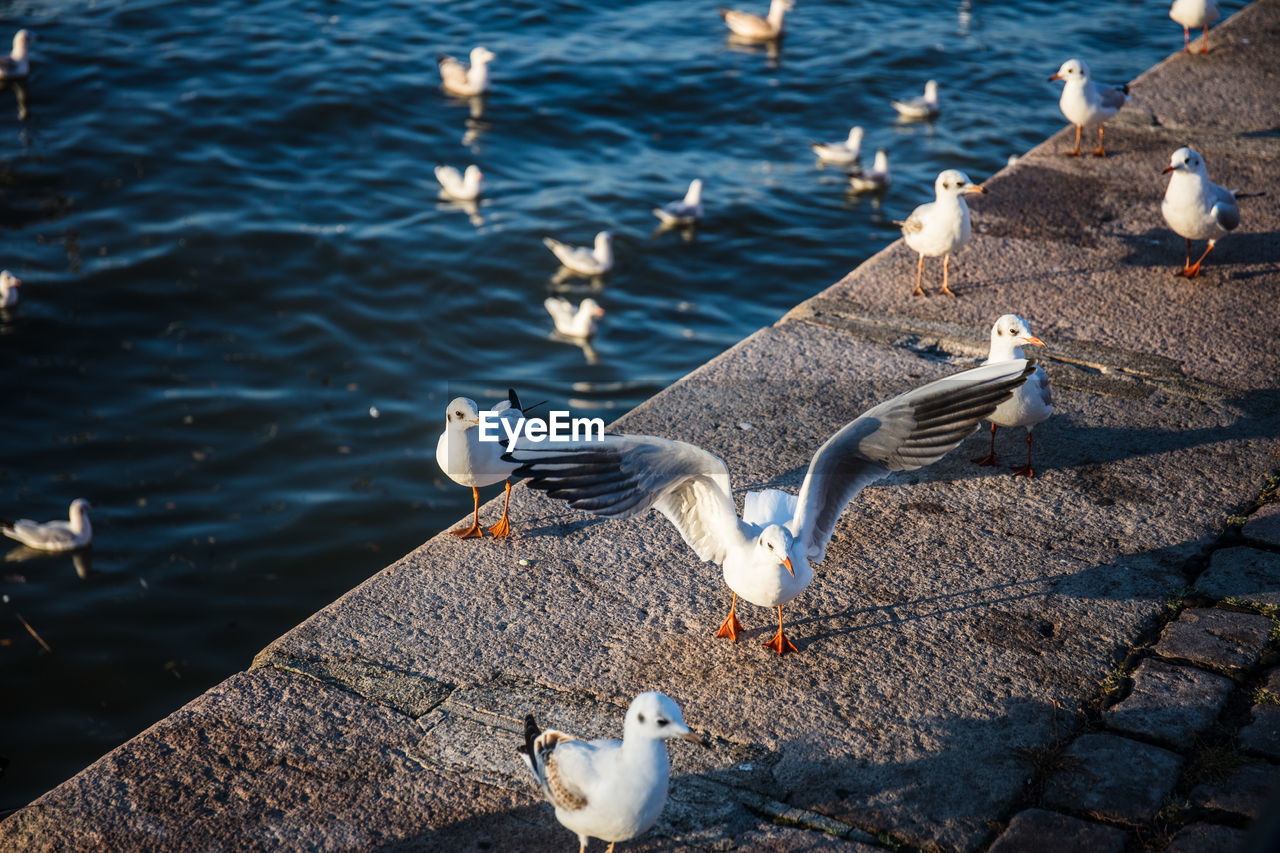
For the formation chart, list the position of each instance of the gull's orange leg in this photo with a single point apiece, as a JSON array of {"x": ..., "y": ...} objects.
[
  {"x": 919, "y": 273},
  {"x": 472, "y": 532},
  {"x": 990, "y": 458},
  {"x": 1194, "y": 270},
  {"x": 730, "y": 626},
  {"x": 780, "y": 643},
  {"x": 1025, "y": 470},
  {"x": 946, "y": 265},
  {"x": 1187, "y": 264},
  {"x": 1076, "y": 152},
  {"x": 1098, "y": 152},
  {"x": 1204, "y": 46},
  {"x": 502, "y": 528},
  {"x": 1186, "y": 40}
]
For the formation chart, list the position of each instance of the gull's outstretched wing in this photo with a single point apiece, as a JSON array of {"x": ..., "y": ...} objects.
[
  {"x": 623, "y": 475},
  {"x": 910, "y": 431}
]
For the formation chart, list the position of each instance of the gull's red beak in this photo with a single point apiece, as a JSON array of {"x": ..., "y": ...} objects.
[
  {"x": 1168, "y": 169},
  {"x": 1056, "y": 77},
  {"x": 786, "y": 561},
  {"x": 1034, "y": 341},
  {"x": 974, "y": 188}
]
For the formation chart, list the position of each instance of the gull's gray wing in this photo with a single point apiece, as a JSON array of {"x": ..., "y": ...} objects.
[
  {"x": 1111, "y": 97},
  {"x": 623, "y": 475},
  {"x": 910, "y": 431},
  {"x": 1225, "y": 209}
]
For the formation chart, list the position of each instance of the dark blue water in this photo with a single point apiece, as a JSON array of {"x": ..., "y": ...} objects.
[{"x": 227, "y": 224}]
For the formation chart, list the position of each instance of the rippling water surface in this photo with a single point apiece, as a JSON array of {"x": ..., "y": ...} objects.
[{"x": 233, "y": 249}]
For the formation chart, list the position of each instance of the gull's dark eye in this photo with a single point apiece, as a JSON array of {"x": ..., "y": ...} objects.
[
  {"x": 640, "y": 717},
  {"x": 662, "y": 722},
  {"x": 457, "y": 414}
]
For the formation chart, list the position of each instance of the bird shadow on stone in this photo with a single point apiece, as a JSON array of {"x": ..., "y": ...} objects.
[{"x": 1163, "y": 250}]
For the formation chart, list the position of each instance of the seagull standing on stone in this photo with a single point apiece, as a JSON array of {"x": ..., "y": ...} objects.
[
  {"x": 1195, "y": 207},
  {"x": 580, "y": 259},
  {"x": 1194, "y": 15},
  {"x": 941, "y": 227},
  {"x": 69, "y": 535},
  {"x": 1085, "y": 102},
  {"x": 9, "y": 284},
  {"x": 608, "y": 789},
  {"x": 844, "y": 153},
  {"x": 1032, "y": 403},
  {"x": 468, "y": 461},
  {"x": 925, "y": 106},
  {"x": 462, "y": 186},
  {"x": 573, "y": 322},
  {"x": 684, "y": 212},
  {"x": 745, "y": 25},
  {"x": 458, "y": 79},
  {"x": 16, "y": 65},
  {"x": 765, "y": 555},
  {"x": 873, "y": 180}
]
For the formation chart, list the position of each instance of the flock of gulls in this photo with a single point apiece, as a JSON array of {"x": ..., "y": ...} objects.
[{"x": 615, "y": 790}]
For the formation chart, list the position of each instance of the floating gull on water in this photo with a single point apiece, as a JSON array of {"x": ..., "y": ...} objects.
[
  {"x": 1032, "y": 402},
  {"x": 17, "y": 65},
  {"x": 580, "y": 259},
  {"x": 941, "y": 227},
  {"x": 461, "y": 186},
  {"x": 844, "y": 153},
  {"x": 684, "y": 212},
  {"x": 9, "y": 284},
  {"x": 573, "y": 322},
  {"x": 1195, "y": 207},
  {"x": 1194, "y": 15},
  {"x": 608, "y": 789},
  {"x": 766, "y": 554},
  {"x": 1084, "y": 102},
  {"x": 926, "y": 106},
  {"x": 468, "y": 461},
  {"x": 745, "y": 25},
  {"x": 873, "y": 180},
  {"x": 458, "y": 79},
  {"x": 53, "y": 535}
]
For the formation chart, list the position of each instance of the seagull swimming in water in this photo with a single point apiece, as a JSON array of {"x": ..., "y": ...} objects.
[
  {"x": 765, "y": 555},
  {"x": 580, "y": 259},
  {"x": 687, "y": 211},
  {"x": 1084, "y": 102},
  {"x": 462, "y": 186},
  {"x": 458, "y": 79},
  {"x": 844, "y": 153},
  {"x": 925, "y": 106},
  {"x": 608, "y": 789},
  {"x": 69, "y": 535},
  {"x": 1195, "y": 207},
  {"x": 17, "y": 65},
  {"x": 1032, "y": 402},
  {"x": 468, "y": 461},
  {"x": 873, "y": 180},
  {"x": 751, "y": 27},
  {"x": 941, "y": 227},
  {"x": 573, "y": 322},
  {"x": 1194, "y": 15},
  {"x": 9, "y": 284}
]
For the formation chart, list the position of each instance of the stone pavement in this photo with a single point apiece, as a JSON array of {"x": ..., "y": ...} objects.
[{"x": 1085, "y": 660}]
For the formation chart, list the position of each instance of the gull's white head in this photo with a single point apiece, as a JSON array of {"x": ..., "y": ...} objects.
[
  {"x": 653, "y": 716},
  {"x": 482, "y": 56},
  {"x": 8, "y": 280},
  {"x": 882, "y": 161},
  {"x": 590, "y": 308},
  {"x": 931, "y": 91},
  {"x": 953, "y": 182},
  {"x": 775, "y": 542},
  {"x": 80, "y": 509},
  {"x": 1009, "y": 334},
  {"x": 694, "y": 195},
  {"x": 604, "y": 241},
  {"x": 462, "y": 414},
  {"x": 21, "y": 44},
  {"x": 1186, "y": 160},
  {"x": 1072, "y": 69},
  {"x": 473, "y": 174}
]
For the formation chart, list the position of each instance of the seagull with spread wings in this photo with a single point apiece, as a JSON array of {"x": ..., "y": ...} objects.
[{"x": 766, "y": 554}]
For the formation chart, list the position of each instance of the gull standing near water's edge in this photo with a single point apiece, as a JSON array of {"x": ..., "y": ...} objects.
[
  {"x": 873, "y": 180},
  {"x": 580, "y": 259},
  {"x": 468, "y": 461},
  {"x": 1194, "y": 15},
  {"x": 844, "y": 153},
  {"x": 1084, "y": 102},
  {"x": 925, "y": 106},
  {"x": 608, "y": 789},
  {"x": 751, "y": 27},
  {"x": 463, "y": 186},
  {"x": 17, "y": 64},
  {"x": 1032, "y": 403},
  {"x": 1195, "y": 207},
  {"x": 9, "y": 284},
  {"x": 68, "y": 535},
  {"x": 765, "y": 555},
  {"x": 458, "y": 79},
  {"x": 686, "y": 211},
  {"x": 941, "y": 227}
]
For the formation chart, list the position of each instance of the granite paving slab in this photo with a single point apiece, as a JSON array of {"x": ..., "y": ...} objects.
[
  {"x": 1170, "y": 703},
  {"x": 1224, "y": 639},
  {"x": 1114, "y": 778}
]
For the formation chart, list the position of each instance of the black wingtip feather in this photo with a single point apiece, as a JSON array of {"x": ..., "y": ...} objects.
[{"x": 531, "y": 732}]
